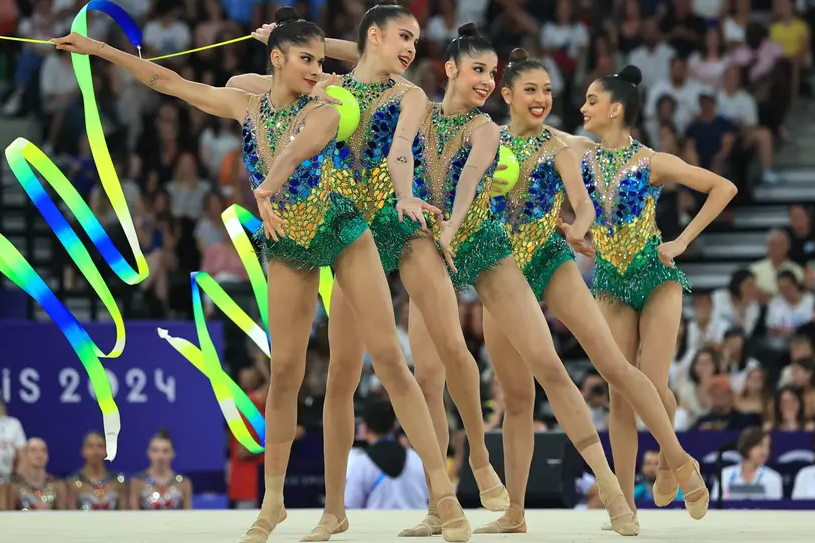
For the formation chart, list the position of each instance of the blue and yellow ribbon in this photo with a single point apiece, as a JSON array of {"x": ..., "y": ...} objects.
[{"x": 22, "y": 156}]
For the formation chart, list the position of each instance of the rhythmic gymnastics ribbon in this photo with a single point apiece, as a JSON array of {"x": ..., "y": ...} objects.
[
  {"x": 22, "y": 155},
  {"x": 232, "y": 400},
  {"x": 162, "y": 57}
]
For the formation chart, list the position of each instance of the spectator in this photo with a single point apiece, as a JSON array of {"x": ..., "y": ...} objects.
[
  {"x": 159, "y": 487},
  {"x": 766, "y": 270},
  {"x": 34, "y": 489},
  {"x": 207, "y": 31},
  {"x": 755, "y": 398},
  {"x": 693, "y": 392},
  {"x": 684, "y": 92},
  {"x": 739, "y": 107},
  {"x": 388, "y": 476},
  {"x": 706, "y": 329},
  {"x": 791, "y": 307},
  {"x": 708, "y": 66},
  {"x": 735, "y": 362},
  {"x": 804, "y": 488},
  {"x": 217, "y": 140},
  {"x": 442, "y": 27},
  {"x": 242, "y": 480},
  {"x": 94, "y": 488},
  {"x": 801, "y": 235},
  {"x": 711, "y": 137},
  {"x": 684, "y": 29},
  {"x": 595, "y": 392},
  {"x": 789, "y": 414},
  {"x": 643, "y": 489},
  {"x": 653, "y": 57},
  {"x": 12, "y": 443},
  {"x": 630, "y": 27},
  {"x": 723, "y": 415},
  {"x": 750, "y": 478},
  {"x": 737, "y": 305},
  {"x": 41, "y": 25},
  {"x": 566, "y": 39},
  {"x": 792, "y": 33},
  {"x": 769, "y": 77},
  {"x": 735, "y": 24},
  {"x": 802, "y": 378}
]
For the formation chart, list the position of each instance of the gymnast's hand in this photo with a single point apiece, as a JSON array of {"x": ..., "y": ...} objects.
[
  {"x": 77, "y": 43},
  {"x": 670, "y": 250},
  {"x": 262, "y": 33},
  {"x": 414, "y": 207},
  {"x": 272, "y": 223},
  {"x": 445, "y": 240},
  {"x": 576, "y": 239},
  {"x": 319, "y": 90}
]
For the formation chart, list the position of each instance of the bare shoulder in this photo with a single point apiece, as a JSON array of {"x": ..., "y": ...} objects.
[
  {"x": 251, "y": 83},
  {"x": 580, "y": 144}
]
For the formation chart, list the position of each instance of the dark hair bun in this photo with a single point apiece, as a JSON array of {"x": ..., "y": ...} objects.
[
  {"x": 163, "y": 433},
  {"x": 386, "y": 3},
  {"x": 468, "y": 30},
  {"x": 518, "y": 54},
  {"x": 286, "y": 14},
  {"x": 632, "y": 74}
]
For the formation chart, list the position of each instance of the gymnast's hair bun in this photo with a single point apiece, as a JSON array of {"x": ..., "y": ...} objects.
[
  {"x": 632, "y": 74},
  {"x": 518, "y": 54},
  {"x": 286, "y": 14},
  {"x": 468, "y": 30},
  {"x": 387, "y": 3}
]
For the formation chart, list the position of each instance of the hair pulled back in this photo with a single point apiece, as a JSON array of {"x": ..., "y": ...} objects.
[
  {"x": 379, "y": 15},
  {"x": 624, "y": 89}
]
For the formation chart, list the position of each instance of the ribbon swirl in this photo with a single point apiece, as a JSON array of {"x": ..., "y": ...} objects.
[{"x": 22, "y": 155}]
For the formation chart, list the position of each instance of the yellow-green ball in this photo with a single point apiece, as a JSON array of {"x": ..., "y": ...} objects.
[
  {"x": 506, "y": 158},
  {"x": 349, "y": 111}
]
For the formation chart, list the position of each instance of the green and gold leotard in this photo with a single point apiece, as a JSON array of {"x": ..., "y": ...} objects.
[
  {"x": 625, "y": 232},
  {"x": 530, "y": 210},
  {"x": 445, "y": 145}
]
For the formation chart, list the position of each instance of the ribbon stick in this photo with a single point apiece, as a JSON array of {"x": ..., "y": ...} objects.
[
  {"x": 232, "y": 400},
  {"x": 22, "y": 155}
]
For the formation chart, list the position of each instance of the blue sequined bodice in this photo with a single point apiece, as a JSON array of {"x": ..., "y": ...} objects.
[{"x": 539, "y": 192}]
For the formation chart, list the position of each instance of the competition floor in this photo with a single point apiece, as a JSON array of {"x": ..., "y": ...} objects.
[{"x": 547, "y": 526}]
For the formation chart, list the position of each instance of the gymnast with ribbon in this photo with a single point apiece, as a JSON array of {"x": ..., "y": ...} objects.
[{"x": 302, "y": 184}]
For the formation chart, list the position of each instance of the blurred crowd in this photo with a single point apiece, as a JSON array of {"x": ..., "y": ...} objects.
[{"x": 719, "y": 78}]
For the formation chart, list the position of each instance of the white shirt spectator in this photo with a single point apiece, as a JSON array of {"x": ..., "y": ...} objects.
[
  {"x": 655, "y": 64},
  {"x": 57, "y": 82},
  {"x": 572, "y": 38},
  {"x": 167, "y": 39},
  {"x": 687, "y": 101},
  {"x": 707, "y": 9},
  {"x": 367, "y": 487},
  {"x": 740, "y": 108},
  {"x": 733, "y": 32},
  {"x": 804, "y": 488},
  {"x": 188, "y": 200},
  {"x": 767, "y": 275},
  {"x": 780, "y": 314},
  {"x": 712, "y": 333},
  {"x": 766, "y": 477},
  {"x": 724, "y": 310},
  {"x": 438, "y": 31},
  {"x": 708, "y": 72},
  {"x": 12, "y": 439},
  {"x": 471, "y": 10}
]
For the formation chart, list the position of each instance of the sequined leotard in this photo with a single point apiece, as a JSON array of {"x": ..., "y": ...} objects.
[
  {"x": 482, "y": 241},
  {"x": 97, "y": 495},
  {"x": 530, "y": 210},
  {"x": 31, "y": 495},
  {"x": 156, "y": 496},
  {"x": 368, "y": 149},
  {"x": 625, "y": 232},
  {"x": 321, "y": 219}
]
